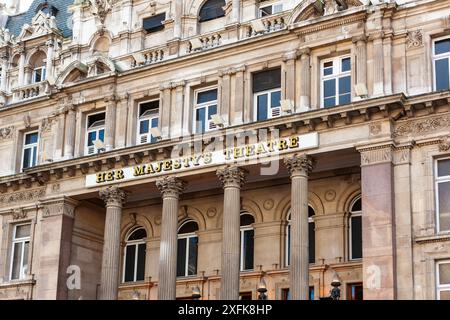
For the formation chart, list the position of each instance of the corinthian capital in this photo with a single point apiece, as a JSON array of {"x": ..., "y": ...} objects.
[
  {"x": 113, "y": 196},
  {"x": 170, "y": 186},
  {"x": 299, "y": 164},
  {"x": 231, "y": 176}
]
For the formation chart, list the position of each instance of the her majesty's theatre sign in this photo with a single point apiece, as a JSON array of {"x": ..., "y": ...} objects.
[{"x": 264, "y": 151}]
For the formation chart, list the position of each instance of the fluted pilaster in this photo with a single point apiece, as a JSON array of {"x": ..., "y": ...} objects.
[
  {"x": 232, "y": 179},
  {"x": 114, "y": 199},
  {"x": 69, "y": 135},
  {"x": 110, "y": 122},
  {"x": 171, "y": 188},
  {"x": 305, "y": 79},
  {"x": 299, "y": 167}
]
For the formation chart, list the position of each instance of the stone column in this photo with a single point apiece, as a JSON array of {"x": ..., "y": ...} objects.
[
  {"x": 378, "y": 218},
  {"x": 232, "y": 178},
  {"x": 299, "y": 167},
  {"x": 50, "y": 50},
  {"x": 3, "y": 85},
  {"x": 166, "y": 101},
  {"x": 361, "y": 60},
  {"x": 288, "y": 76},
  {"x": 110, "y": 122},
  {"x": 236, "y": 11},
  {"x": 305, "y": 79},
  {"x": 238, "y": 117},
  {"x": 69, "y": 133},
  {"x": 387, "y": 51},
  {"x": 114, "y": 199},
  {"x": 121, "y": 125},
  {"x": 59, "y": 134},
  {"x": 55, "y": 251},
  {"x": 177, "y": 19},
  {"x": 171, "y": 188},
  {"x": 22, "y": 58},
  {"x": 378, "y": 65}
]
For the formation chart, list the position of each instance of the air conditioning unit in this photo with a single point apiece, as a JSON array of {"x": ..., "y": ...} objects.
[
  {"x": 211, "y": 125},
  {"x": 275, "y": 112},
  {"x": 91, "y": 150},
  {"x": 144, "y": 138}
]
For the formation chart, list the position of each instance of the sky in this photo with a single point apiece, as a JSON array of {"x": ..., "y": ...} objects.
[{"x": 24, "y": 4}]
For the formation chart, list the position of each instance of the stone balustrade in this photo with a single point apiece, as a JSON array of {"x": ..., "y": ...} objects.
[
  {"x": 269, "y": 24},
  {"x": 147, "y": 57},
  {"x": 30, "y": 91}
]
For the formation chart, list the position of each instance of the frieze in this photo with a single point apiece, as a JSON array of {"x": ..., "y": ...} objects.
[
  {"x": 22, "y": 196},
  {"x": 416, "y": 127}
]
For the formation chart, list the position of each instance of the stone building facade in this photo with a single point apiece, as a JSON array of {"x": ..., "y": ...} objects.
[{"x": 150, "y": 148}]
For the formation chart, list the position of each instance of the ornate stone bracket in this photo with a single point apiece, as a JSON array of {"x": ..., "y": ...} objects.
[
  {"x": 6, "y": 133},
  {"x": 231, "y": 176}
]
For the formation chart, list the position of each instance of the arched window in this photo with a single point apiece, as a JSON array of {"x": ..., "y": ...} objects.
[
  {"x": 355, "y": 229},
  {"x": 247, "y": 241},
  {"x": 134, "y": 260},
  {"x": 38, "y": 64},
  {"x": 187, "y": 249},
  {"x": 311, "y": 236},
  {"x": 212, "y": 9}
]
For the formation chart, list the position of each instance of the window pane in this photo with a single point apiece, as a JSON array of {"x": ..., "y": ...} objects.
[
  {"x": 181, "y": 258},
  {"x": 25, "y": 259},
  {"x": 329, "y": 102},
  {"x": 445, "y": 295},
  {"x": 328, "y": 68},
  {"x": 312, "y": 242},
  {"x": 444, "y": 168},
  {"x": 200, "y": 120},
  {"x": 140, "y": 272},
  {"x": 344, "y": 85},
  {"x": 345, "y": 99},
  {"x": 356, "y": 225},
  {"x": 188, "y": 227},
  {"x": 206, "y": 96},
  {"x": 346, "y": 65},
  {"x": 442, "y": 74},
  {"x": 266, "y": 80},
  {"x": 247, "y": 220},
  {"x": 33, "y": 162},
  {"x": 31, "y": 138},
  {"x": 130, "y": 255},
  {"x": 248, "y": 249},
  {"x": 355, "y": 292},
  {"x": 154, "y": 23},
  {"x": 357, "y": 206},
  {"x": 101, "y": 135},
  {"x": 262, "y": 107},
  {"x": 329, "y": 88},
  {"x": 442, "y": 46},
  {"x": 23, "y": 231},
  {"x": 92, "y": 136},
  {"x": 212, "y": 9},
  {"x": 17, "y": 255},
  {"x": 266, "y": 11},
  {"x": 288, "y": 245},
  {"x": 212, "y": 110},
  {"x": 275, "y": 99},
  {"x": 444, "y": 205},
  {"x": 155, "y": 122},
  {"x": 26, "y": 158},
  {"x": 192, "y": 259},
  {"x": 144, "y": 128},
  {"x": 311, "y": 293},
  {"x": 444, "y": 273}
]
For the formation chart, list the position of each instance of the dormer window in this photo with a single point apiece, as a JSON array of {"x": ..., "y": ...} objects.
[
  {"x": 155, "y": 23},
  {"x": 212, "y": 9}
]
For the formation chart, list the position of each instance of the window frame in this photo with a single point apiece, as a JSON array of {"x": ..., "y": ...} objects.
[
  {"x": 205, "y": 105},
  {"x": 149, "y": 118},
  {"x": 136, "y": 243},
  {"x": 188, "y": 236},
  {"x": 155, "y": 29},
  {"x": 23, "y": 241},
  {"x": 269, "y": 107},
  {"x": 43, "y": 70},
  {"x": 287, "y": 238},
  {"x": 435, "y": 57},
  {"x": 437, "y": 181},
  {"x": 335, "y": 76},
  {"x": 272, "y": 5},
  {"x": 33, "y": 146},
  {"x": 242, "y": 231},
  {"x": 86, "y": 147},
  {"x": 441, "y": 287},
  {"x": 353, "y": 214}
]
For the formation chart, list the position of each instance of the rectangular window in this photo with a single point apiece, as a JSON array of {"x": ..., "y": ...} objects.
[
  {"x": 148, "y": 119},
  {"x": 19, "y": 253},
  {"x": 356, "y": 236},
  {"x": 286, "y": 294},
  {"x": 443, "y": 280},
  {"x": 355, "y": 291},
  {"x": 245, "y": 296},
  {"x": 443, "y": 194},
  {"x": 270, "y": 9},
  {"x": 134, "y": 262},
  {"x": 30, "y": 149},
  {"x": 441, "y": 56},
  {"x": 187, "y": 256},
  {"x": 205, "y": 108},
  {"x": 336, "y": 82},
  {"x": 155, "y": 23},
  {"x": 95, "y": 133},
  {"x": 267, "y": 94},
  {"x": 247, "y": 248},
  {"x": 39, "y": 74}
]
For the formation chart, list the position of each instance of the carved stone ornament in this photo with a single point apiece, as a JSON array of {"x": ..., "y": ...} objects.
[
  {"x": 101, "y": 8},
  {"x": 415, "y": 39},
  {"x": 6, "y": 133},
  {"x": 231, "y": 176},
  {"x": 113, "y": 196},
  {"x": 170, "y": 186},
  {"x": 417, "y": 127},
  {"x": 19, "y": 214},
  {"x": 299, "y": 164},
  {"x": 376, "y": 155},
  {"x": 444, "y": 145},
  {"x": 211, "y": 212},
  {"x": 59, "y": 207},
  {"x": 22, "y": 196}
]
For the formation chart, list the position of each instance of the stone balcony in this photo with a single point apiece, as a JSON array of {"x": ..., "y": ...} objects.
[{"x": 31, "y": 91}]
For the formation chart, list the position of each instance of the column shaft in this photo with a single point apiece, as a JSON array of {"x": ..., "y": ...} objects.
[
  {"x": 378, "y": 71},
  {"x": 69, "y": 135},
  {"x": 305, "y": 80},
  {"x": 110, "y": 123}
]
